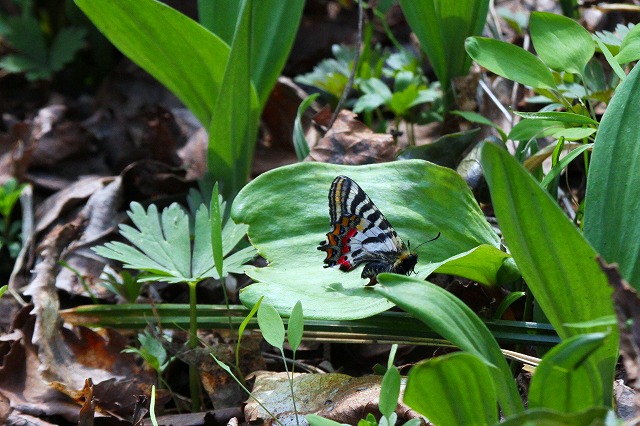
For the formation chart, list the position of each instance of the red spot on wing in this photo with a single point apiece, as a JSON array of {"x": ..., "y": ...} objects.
[{"x": 344, "y": 263}]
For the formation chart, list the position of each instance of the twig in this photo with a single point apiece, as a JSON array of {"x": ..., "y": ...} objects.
[{"x": 356, "y": 60}]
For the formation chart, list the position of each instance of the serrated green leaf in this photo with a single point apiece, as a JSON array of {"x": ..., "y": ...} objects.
[
  {"x": 65, "y": 45},
  {"x": 630, "y": 47},
  {"x": 454, "y": 389}
]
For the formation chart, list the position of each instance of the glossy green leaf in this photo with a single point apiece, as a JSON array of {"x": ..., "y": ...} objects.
[
  {"x": 456, "y": 322},
  {"x": 288, "y": 216},
  {"x": 562, "y": 43},
  {"x": 177, "y": 51},
  {"x": 611, "y": 60},
  {"x": 295, "y": 328},
  {"x": 216, "y": 230},
  {"x": 562, "y": 164},
  {"x": 561, "y": 116},
  {"x": 612, "y": 198},
  {"x": 542, "y": 417},
  {"x": 556, "y": 261},
  {"x": 274, "y": 25},
  {"x": 574, "y": 133},
  {"x": 271, "y": 325},
  {"x": 564, "y": 381},
  {"x": 389, "y": 391},
  {"x": 454, "y": 389},
  {"x": 529, "y": 129},
  {"x": 233, "y": 130},
  {"x": 441, "y": 28},
  {"x": 479, "y": 264},
  {"x": 511, "y": 62},
  {"x": 220, "y": 17},
  {"x": 630, "y": 47}
]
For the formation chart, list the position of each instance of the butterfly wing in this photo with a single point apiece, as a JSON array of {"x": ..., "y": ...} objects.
[{"x": 360, "y": 232}]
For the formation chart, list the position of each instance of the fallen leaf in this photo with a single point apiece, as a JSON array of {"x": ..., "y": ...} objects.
[{"x": 349, "y": 141}]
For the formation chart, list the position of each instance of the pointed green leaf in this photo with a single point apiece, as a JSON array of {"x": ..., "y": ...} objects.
[
  {"x": 630, "y": 47},
  {"x": 562, "y": 43},
  {"x": 271, "y": 325},
  {"x": 177, "y": 51},
  {"x": 295, "y": 328},
  {"x": 454, "y": 389},
  {"x": 299, "y": 140},
  {"x": 510, "y": 62},
  {"x": 389, "y": 391},
  {"x": 452, "y": 319},
  {"x": 612, "y": 198},
  {"x": 201, "y": 264},
  {"x": 216, "y": 230},
  {"x": 564, "y": 381},
  {"x": 232, "y": 134},
  {"x": 556, "y": 261}
]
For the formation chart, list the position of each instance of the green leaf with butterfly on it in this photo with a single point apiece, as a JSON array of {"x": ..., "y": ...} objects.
[{"x": 288, "y": 216}]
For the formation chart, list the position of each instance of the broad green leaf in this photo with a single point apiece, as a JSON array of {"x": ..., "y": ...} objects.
[
  {"x": 630, "y": 47},
  {"x": 233, "y": 131},
  {"x": 288, "y": 216},
  {"x": 300, "y": 142},
  {"x": 530, "y": 129},
  {"x": 563, "y": 380},
  {"x": 541, "y": 417},
  {"x": 556, "y": 261},
  {"x": 271, "y": 325},
  {"x": 511, "y": 62},
  {"x": 177, "y": 51},
  {"x": 389, "y": 391},
  {"x": 220, "y": 17},
  {"x": 452, "y": 319},
  {"x": 574, "y": 133},
  {"x": 562, "y": 43},
  {"x": 295, "y": 327},
  {"x": 479, "y": 264},
  {"x": 612, "y": 199},
  {"x": 441, "y": 28},
  {"x": 445, "y": 151},
  {"x": 454, "y": 389},
  {"x": 274, "y": 24}
]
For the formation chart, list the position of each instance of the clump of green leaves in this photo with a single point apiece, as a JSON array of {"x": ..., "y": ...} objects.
[
  {"x": 39, "y": 51},
  {"x": 176, "y": 247},
  {"x": 387, "y": 84},
  {"x": 124, "y": 284},
  {"x": 10, "y": 229}
]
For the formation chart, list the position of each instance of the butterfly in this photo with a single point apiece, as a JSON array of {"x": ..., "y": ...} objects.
[{"x": 361, "y": 234}]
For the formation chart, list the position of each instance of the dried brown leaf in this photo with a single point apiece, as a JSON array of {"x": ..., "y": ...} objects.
[{"x": 349, "y": 141}]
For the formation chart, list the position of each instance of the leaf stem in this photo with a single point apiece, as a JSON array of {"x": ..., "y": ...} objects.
[{"x": 194, "y": 379}]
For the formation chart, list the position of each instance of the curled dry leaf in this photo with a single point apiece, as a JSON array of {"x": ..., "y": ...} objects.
[
  {"x": 338, "y": 397},
  {"x": 349, "y": 141}
]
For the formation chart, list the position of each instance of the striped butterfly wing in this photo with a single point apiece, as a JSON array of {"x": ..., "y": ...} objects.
[{"x": 360, "y": 232}]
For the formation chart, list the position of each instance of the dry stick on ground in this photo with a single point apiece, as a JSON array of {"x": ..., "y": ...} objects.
[{"x": 356, "y": 60}]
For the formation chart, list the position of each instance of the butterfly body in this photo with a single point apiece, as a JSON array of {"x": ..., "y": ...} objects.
[{"x": 361, "y": 234}]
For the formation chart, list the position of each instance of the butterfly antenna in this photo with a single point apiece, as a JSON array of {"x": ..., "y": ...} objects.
[{"x": 428, "y": 241}]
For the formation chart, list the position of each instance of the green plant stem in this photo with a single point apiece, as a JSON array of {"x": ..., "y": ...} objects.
[
  {"x": 194, "y": 379},
  {"x": 226, "y": 303},
  {"x": 290, "y": 376}
]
